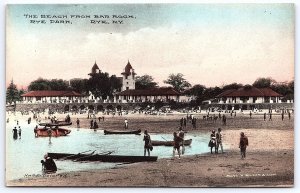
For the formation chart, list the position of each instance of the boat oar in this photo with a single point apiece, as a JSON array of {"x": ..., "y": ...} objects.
[
  {"x": 69, "y": 156},
  {"x": 164, "y": 138}
]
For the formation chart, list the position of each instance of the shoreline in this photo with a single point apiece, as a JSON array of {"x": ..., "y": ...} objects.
[
  {"x": 205, "y": 170},
  {"x": 270, "y": 151}
]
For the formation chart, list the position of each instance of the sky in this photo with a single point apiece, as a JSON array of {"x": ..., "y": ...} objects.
[{"x": 210, "y": 44}]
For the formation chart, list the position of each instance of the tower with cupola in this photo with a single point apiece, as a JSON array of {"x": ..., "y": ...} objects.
[{"x": 128, "y": 81}]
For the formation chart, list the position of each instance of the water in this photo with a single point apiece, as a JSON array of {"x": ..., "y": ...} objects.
[{"x": 23, "y": 155}]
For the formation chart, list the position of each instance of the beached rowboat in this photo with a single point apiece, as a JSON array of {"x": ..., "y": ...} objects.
[
  {"x": 106, "y": 132},
  {"x": 55, "y": 132},
  {"x": 103, "y": 158},
  {"x": 170, "y": 143}
]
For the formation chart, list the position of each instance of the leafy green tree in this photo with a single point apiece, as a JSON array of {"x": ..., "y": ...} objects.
[
  {"x": 115, "y": 84},
  {"x": 177, "y": 82},
  {"x": 263, "y": 82},
  {"x": 39, "y": 84},
  {"x": 44, "y": 84},
  {"x": 12, "y": 93},
  {"x": 58, "y": 84},
  {"x": 284, "y": 88},
  {"x": 145, "y": 82},
  {"x": 79, "y": 85},
  {"x": 232, "y": 86},
  {"x": 101, "y": 85}
]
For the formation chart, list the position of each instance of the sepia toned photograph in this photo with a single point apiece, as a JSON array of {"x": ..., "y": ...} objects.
[{"x": 149, "y": 95}]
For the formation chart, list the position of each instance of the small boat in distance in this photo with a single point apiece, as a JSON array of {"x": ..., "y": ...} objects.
[
  {"x": 103, "y": 158},
  {"x": 170, "y": 143},
  {"x": 110, "y": 132}
]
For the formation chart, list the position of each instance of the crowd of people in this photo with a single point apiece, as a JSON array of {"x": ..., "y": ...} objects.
[{"x": 215, "y": 143}]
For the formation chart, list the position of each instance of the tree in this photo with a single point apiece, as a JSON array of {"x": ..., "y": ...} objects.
[
  {"x": 78, "y": 85},
  {"x": 285, "y": 88},
  {"x": 145, "y": 82},
  {"x": 58, "y": 84},
  {"x": 211, "y": 93},
  {"x": 44, "y": 84},
  {"x": 115, "y": 84},
  {"x": 178, "y": 82},
  {"x": 263, "y": 82},
  {"x": 232, "y": 86},
  {"x": 39, "y": 84},
  {"x": 101, "y": 85},
  {"x": 196, "y": 90},
  {"x": 12, "y": 93}
]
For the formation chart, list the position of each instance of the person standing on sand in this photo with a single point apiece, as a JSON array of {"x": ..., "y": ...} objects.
[
  {"x": 250, "y": 114},
  {"x": 270, "y": 118},
  {"x": 181, "y": 135},
  {"x": 289, "y": 114},
  {"x": 177, "y": 141},
  {"x": 91, "y": 124},
  {"x": 282, "y": 115},
  {"x": 126, "y": 124},
  {"x": 219, "y": 141},
  {"x": 78, "y": 123},
  {"x": 224, "y": 120},
  {"x": 212, "y": 141},
  {"x": 243, "y": 145},
  {"x": 148, "y": 144},
  {"x": 184, "y": 123},
  {"x": 265, "y": 116},
  {"x": 181, "y": 122}
]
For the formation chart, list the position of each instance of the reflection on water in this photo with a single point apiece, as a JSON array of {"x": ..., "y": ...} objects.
[{"x": 23, "y": 155}]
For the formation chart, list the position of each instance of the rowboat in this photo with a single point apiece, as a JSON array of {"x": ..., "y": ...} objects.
[
  {"x": 55, "y": 132},
  {"x": 170, "y": 143},
  {"x": 106, "y": 132},
  {"x": 58, "y": 124},
  {"x": 103, "y": 158}
]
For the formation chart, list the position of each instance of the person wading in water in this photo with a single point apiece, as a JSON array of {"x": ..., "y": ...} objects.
[
  {"x": 148, "y": 145},
  {"x": 177, "y": 141}
]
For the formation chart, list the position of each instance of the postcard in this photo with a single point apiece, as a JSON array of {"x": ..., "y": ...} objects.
[{"x": 150, "y": 95}]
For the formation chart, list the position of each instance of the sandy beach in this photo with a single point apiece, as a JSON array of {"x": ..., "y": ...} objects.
[{"x": 269, "y": 161}]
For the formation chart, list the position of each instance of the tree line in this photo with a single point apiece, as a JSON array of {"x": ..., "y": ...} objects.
[{"x": 102, "y": 85}]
